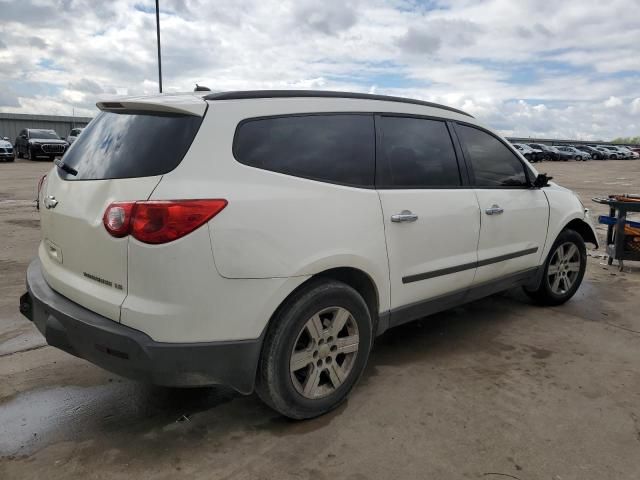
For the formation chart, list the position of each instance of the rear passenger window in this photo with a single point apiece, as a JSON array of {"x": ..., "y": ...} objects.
[
  {"x": 331, "y": 148},
  {"x": 493, "y": 164},
  {"x": 416, "y": 153}
]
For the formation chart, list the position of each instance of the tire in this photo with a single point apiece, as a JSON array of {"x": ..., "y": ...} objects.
[
  {"x": 551, "y": 291},
  {"x": 577, "y": 158},
  {"x": 316, "y": 386}
]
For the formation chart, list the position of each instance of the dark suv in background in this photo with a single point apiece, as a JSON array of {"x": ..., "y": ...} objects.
[
  {"x": 34, "y": 142},
  {"x": 550, "y": 153},
  {"x": 594, "y": 152}
]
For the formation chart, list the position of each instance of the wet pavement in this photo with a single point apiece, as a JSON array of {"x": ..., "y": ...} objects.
[{"x": 496, "y": 389}]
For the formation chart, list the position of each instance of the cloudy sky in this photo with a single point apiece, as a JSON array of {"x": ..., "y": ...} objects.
[{"x": 567, "y": 68}]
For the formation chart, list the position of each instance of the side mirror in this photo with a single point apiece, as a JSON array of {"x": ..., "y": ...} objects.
[
  {"x": 542, "y": 180},
  {"x": 6, "y": 139}
]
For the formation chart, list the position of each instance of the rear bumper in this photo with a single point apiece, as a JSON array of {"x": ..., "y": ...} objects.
[{"x": 131, "y": 353}]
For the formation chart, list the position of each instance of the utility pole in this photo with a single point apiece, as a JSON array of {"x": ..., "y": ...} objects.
[{"x": 159, "y": 54}]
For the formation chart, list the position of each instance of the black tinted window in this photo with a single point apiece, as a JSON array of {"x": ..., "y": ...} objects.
[
  {"x": 119, "y": 145},
  {"x": 416, "y": 153},
  {"x": 493, "y": 164},
  {"x": 333, "y": 148}
]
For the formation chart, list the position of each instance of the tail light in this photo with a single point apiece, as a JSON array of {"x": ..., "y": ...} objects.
[
  {"x": 40, "y": 183},
  {"x": 159, "y": 221}
]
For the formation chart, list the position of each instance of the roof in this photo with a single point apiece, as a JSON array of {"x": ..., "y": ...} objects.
[{"x": 246, "y": 94}]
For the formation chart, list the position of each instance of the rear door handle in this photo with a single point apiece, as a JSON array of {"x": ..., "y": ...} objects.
[
  {"x": 404, "y": 216},
  {"x": 494, "y": 210}
]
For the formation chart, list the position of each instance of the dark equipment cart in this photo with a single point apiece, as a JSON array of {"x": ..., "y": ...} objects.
[{"x": 620, "y": 246}]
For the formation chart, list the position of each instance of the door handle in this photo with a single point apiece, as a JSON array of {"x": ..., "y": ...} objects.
[
  {"x": 494, "y": 210},
  {"x": 404, "y": 216}
]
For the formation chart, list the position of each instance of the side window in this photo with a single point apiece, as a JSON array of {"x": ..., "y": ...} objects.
[
  {"x": 416, "y": 153},
  {"x": 493, "y": 164},
  {"x": 331, "y": 148}
]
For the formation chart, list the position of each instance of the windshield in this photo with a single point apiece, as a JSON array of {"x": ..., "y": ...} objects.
[
  {"x": 123, "y": 145},
  {"x": 46, "y": 134}
]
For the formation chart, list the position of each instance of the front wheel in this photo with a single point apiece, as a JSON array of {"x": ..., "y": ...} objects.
[
  {"x": 315, "y": 350},
  {"x": 563, "y": 270}
]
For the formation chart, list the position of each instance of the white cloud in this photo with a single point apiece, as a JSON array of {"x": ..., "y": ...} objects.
[
  {"x": 530, "y": 67},
  {"x": 612, "y": 102}
]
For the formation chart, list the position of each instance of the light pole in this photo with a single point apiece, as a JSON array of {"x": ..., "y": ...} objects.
[{"x": 159, "y": 54}]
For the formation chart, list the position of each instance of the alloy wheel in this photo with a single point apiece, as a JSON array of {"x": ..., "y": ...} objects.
[
  {"x": 564, "y": 268},
  {"x": 324, "y": 352}
]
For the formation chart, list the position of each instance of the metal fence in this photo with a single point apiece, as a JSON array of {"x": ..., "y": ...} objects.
[{"x": 12, "y": 123}]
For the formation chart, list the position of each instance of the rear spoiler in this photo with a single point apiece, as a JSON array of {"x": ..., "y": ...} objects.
[{"x": 167, "y": 104}]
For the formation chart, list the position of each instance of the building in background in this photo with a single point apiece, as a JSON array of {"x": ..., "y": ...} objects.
[{"x": 12, "y": 123}]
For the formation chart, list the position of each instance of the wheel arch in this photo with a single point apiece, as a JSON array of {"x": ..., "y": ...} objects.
[
  {"x": 583, "y": 229},
  {"x": 356, "y": 278}
]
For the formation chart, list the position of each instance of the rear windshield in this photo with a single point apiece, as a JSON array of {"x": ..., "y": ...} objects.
[{"x": 125, "y": 145}]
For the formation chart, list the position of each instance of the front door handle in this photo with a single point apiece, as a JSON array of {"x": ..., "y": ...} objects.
[
  {"x": 404, "y": 216},
  {"x": 494, "y": 210}
]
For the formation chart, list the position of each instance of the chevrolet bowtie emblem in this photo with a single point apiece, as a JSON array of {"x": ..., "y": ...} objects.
[{"x": 50, "y": 202}]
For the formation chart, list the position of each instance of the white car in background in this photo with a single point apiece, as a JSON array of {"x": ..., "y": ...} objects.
[
  {"x": 263, "y": 239},
  {"x": 73, "y": 135},
  {"x": 6, "y": 150}
]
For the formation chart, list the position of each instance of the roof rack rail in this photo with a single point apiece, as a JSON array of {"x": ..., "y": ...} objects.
[{"x": 245, "y": 94}]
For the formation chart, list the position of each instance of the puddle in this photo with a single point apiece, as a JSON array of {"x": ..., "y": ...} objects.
[{"x": 38, "y": 418}]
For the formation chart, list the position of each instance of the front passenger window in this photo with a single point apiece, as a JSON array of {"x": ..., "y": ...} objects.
[{"x": 493, "y": 164}]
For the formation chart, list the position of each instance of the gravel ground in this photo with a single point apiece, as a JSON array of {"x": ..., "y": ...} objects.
[{"x": 496, "y": 389}]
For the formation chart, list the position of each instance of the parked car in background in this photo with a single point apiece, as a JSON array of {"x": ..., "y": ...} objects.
[
  {"x": 595, "y": 153},
  {"x": 630, "y": 152},
  {"x": 528, "y": 152},
  {"x": 212, "y": 263},
  {"x": 624, "y": 153},
  {"x": 75, "y": 132},
  {"x": 606, "y": 154},
  {"x": 615, "y": 153},
  {"x": 32, "y": 143},
  {"x": 6, "y": 150},
  {"x": 573, "y": 153},
  {"x": 550, "y": 152}
]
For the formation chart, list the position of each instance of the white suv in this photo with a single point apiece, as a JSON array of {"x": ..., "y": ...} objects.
[{"x": 264, "y": 239}]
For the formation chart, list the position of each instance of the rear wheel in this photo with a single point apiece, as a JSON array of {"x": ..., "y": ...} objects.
[
  {"x": 563, "y": 270},
  {"x": 315, "y": 350}
]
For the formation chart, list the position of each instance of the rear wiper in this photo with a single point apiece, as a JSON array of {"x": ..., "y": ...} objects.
[{"x": 62, "y": 166}]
